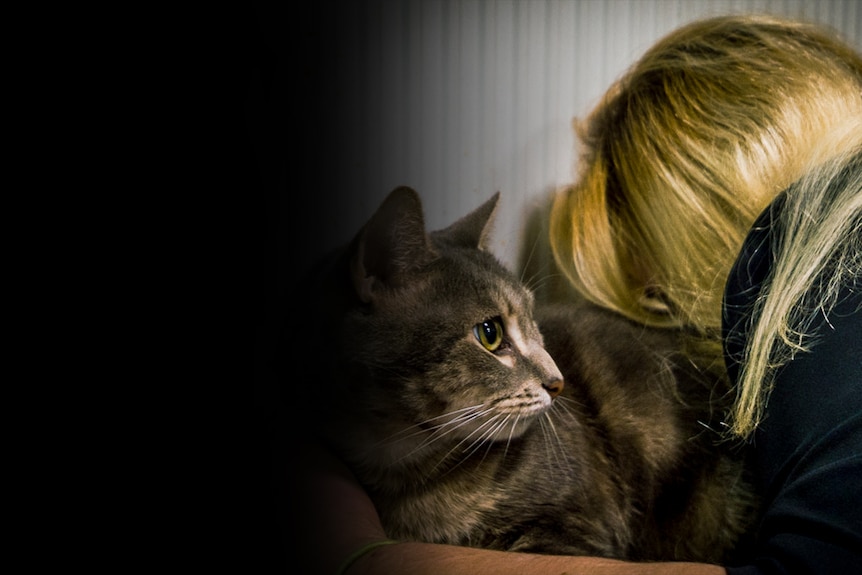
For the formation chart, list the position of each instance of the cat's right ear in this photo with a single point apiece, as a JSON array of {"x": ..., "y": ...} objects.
[
  {"x": 472, "y": 230},
  {"x": 391, "y": 244}
]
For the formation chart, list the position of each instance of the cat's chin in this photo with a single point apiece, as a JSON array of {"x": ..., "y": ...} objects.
[
  {"x": 506, "y": 422},
  {"x": 517, "y": 428}
]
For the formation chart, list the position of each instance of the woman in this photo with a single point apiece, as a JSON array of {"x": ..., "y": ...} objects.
[
  {"x": 720, "y": 190},
  {"x": 683, "y": 154}
]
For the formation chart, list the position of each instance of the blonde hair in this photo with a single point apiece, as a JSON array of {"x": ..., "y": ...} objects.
[
  {"x": 684, "y": 152},
  {"x": 816, "y": 245}
]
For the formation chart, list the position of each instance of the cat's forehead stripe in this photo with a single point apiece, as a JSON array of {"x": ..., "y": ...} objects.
[
  {"x": 523, "y": 344},
  {"x": 516, "y": 300},
  {"x": 516, "y": 337}
]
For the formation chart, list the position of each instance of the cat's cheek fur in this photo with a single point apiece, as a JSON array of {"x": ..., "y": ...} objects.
[{"x": 479, "y": 404}]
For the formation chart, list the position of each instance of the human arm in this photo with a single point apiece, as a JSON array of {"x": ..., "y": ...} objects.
[{"x": 433, "y": 559}]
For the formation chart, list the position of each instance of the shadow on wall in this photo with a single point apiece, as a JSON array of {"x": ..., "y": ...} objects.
[{"x": 536, "y": 265}]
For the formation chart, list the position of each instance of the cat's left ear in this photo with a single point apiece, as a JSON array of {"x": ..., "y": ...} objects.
[
  {"x": 474, "y": 229},
  {"x": 391, "y": 245}
]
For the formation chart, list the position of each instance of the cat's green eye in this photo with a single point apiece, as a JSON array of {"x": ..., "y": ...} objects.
[{"x": 489, "y": 333}]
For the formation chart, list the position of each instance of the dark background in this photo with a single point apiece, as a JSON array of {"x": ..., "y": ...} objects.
[
  {"x": 289, "y": 90},
  {"x": 283, "y": 114}
]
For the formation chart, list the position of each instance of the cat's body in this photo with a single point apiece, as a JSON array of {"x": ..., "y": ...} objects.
[{"x": 443, "y": 399}]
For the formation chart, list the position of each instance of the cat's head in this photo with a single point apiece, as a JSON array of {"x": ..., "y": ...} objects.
[{"x": 439, "y": 345}]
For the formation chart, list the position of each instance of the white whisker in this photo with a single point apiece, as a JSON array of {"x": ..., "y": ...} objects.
[
  {"x": 556, "y": 440},
  {"x": 419, "y": 428},
  {"x": 476, "y": 443},
  {"x": 511, "y": 433},
  {"x": 438, "y": 432},
  {"x": 565, "y": 405},
  {"x": 486, "y": 438}
]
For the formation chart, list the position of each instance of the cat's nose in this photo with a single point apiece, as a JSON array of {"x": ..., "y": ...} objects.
[{"x": 554, "y": 388}]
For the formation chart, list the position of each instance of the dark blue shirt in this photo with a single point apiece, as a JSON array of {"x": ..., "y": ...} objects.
[{"x": 806, "y": 455}]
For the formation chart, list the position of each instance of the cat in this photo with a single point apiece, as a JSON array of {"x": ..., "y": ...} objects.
[{"x": 473, "y": 416}]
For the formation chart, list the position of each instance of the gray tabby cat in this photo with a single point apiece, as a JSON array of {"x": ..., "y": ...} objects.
[{"x": 473, "y": 419}]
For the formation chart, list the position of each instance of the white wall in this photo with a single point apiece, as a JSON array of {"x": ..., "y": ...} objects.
[{"x": 459, "y": 99}]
